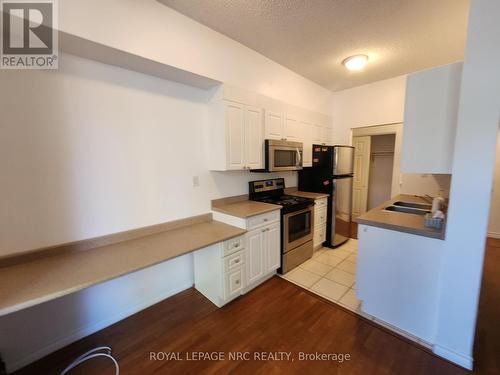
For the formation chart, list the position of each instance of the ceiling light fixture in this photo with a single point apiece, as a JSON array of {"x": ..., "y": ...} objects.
[{"x": 356, "y": 62}]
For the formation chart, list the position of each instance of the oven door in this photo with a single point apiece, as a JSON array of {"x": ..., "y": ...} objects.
[
  {"x": 297, "y": 228},
  {"x": 284, "y": 158}
]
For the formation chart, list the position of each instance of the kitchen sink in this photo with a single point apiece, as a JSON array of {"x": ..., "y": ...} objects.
[
  {"x": 407, "y": 210},
  {"x": 421, "y": 206}
]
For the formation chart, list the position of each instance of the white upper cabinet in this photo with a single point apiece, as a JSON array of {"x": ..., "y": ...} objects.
[
  {"x": 274, "y": 125},
  {"x": 430, "y": 120},
  {"x": 307, "y": 142},
  {"x": 236, "y": 132},
  {"x": 317, "y": 134},
  {"x": 254, "y": 142},
  {"x": 240, "y": 121},
  {"x": 235, "y": 128},
  {"x": 292, "y": 129}
]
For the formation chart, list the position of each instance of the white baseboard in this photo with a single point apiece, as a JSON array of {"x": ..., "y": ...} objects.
[
  {"x": 494, "y": 235},
  {"x": 465, "y": 361},
  {"x": 92, "y": 328}
]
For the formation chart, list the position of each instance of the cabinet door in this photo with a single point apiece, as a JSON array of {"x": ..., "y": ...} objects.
[
  {"x": 326, "y": 135},
  {"x": 431, "y": 108},
  {"x": 255, "y": 255},
  {"x": 306, "y": 129},
  {"x": 233, "y": 283},
  {"x": 317, "y": 134},
  {"x": 274, "y": 125},
  {"x": 235, "y": 128},
  {"x": 272, "y": 247},
  {"x": 292, "y": 129},
  {"x": 254, "y": 142}
]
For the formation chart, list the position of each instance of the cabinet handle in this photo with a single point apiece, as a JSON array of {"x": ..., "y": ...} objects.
[
  {"x": 236, "y": 245},
  {"x": 266, "y": 219},
  {"x": 237, "y": 261},
  {"x": 263, "y": 230},
  {"x": 237, "y": 282}
]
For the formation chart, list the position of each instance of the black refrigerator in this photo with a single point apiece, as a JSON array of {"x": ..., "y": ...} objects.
[{"x": 332, "y": 173}]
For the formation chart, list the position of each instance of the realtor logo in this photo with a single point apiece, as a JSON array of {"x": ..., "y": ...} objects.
[{"x": 29, "y": 34}]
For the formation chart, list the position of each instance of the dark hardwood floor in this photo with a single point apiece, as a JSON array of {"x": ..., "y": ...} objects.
[
  {"x": 277, "y": 316},
  {"x": 487, "y": 343}
]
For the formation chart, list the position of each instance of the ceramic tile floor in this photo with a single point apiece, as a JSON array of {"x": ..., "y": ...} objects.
[{"x": 331, "y": 273}]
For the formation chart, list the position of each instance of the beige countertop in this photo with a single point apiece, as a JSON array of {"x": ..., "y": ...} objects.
[
  {"x": 399, "y": 221},
  {"x": 305, "y": 194},
  {"x": 27, "y": 284},
  {"x": 241, "y": 206}
]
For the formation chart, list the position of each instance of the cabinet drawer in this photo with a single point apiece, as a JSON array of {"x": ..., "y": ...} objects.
[
  {"x": 233, "y": 283},
  {"x": 262, "y": 219},
  {"x": 233, "y": 261},
  {"x": 233, "y": 245},
  {"x": 319, "y": 236},
  {"x": 319, "y": 216},
  {"x": 318, "y": 203}
]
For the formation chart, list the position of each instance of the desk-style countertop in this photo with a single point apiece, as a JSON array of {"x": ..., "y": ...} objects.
[{"x": 25, "y": 284}]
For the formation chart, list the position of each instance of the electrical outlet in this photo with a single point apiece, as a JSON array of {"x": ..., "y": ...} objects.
[{"x": 196, "y": 181}]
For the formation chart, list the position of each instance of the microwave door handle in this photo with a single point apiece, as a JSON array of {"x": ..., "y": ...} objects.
[{"x": 299, "y": 158}]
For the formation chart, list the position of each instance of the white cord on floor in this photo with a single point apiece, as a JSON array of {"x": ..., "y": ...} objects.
[{"x": 93, "y": 354}]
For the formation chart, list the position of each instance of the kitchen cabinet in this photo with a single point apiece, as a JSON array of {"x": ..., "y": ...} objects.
[
  {"x": 397, "y": 279},
  {"x": 326, "y": 135},
  {"x": 273, "y": 125},
  {"x": 293, "y": 131},
  {"x": 430, "y": 118},
  {"x": 262, "y": 244},
  {"x": 255, "y": 255},
  {"x": 282, "y": 121},
  {"x": 240, "y": 121},
  {"x": 320, "y": 211},
  {"x": 306, "y": 143},
  {"x": 282, "y": 127},
  {"x": 263, "y": 256},
  {"x": 236, "y": 137},
  {"x": 317, "y": 134},
  {"x": 219, "y": 270}
]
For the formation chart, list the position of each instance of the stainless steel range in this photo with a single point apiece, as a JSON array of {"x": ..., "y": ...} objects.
[{"x": 297, "y": 220}]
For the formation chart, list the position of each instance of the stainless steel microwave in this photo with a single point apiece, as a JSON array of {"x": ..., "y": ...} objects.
[{"x": 283, "y": 155}]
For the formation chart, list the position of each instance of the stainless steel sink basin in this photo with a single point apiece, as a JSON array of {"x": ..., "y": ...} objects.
[
  {"x": 407, "y": 210},
  {"x": 421, "y": 206}
]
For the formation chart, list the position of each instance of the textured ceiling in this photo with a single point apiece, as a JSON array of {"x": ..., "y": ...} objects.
[{"x": 312, "y": 37}]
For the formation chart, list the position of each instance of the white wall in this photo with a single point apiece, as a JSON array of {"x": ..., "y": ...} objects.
[
  {"x": 466, "y": 228},
  {"x": 37, "y": 331},
  {"x": 494, "y": 223},
  {"x": 93, "y": 149},
  {"x": 149, "y": 29},
  {"x": 378, "y": 103},
  {"x": 90, "y": 150},
  {"x": 381, "y": 103}
]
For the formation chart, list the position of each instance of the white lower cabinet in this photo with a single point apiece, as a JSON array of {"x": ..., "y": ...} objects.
[
  {"x": 225, "y": 271},
  {"x": 320, "y": 213},
  {"x": 263, "y": 253},
  {"x": 233, "y": 283},
  {"x": 219, "y": 270},
  {"x": 255, "y": 255}
]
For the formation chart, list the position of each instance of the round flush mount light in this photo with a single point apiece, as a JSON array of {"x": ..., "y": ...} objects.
[{"x": 356, "y": 62}]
